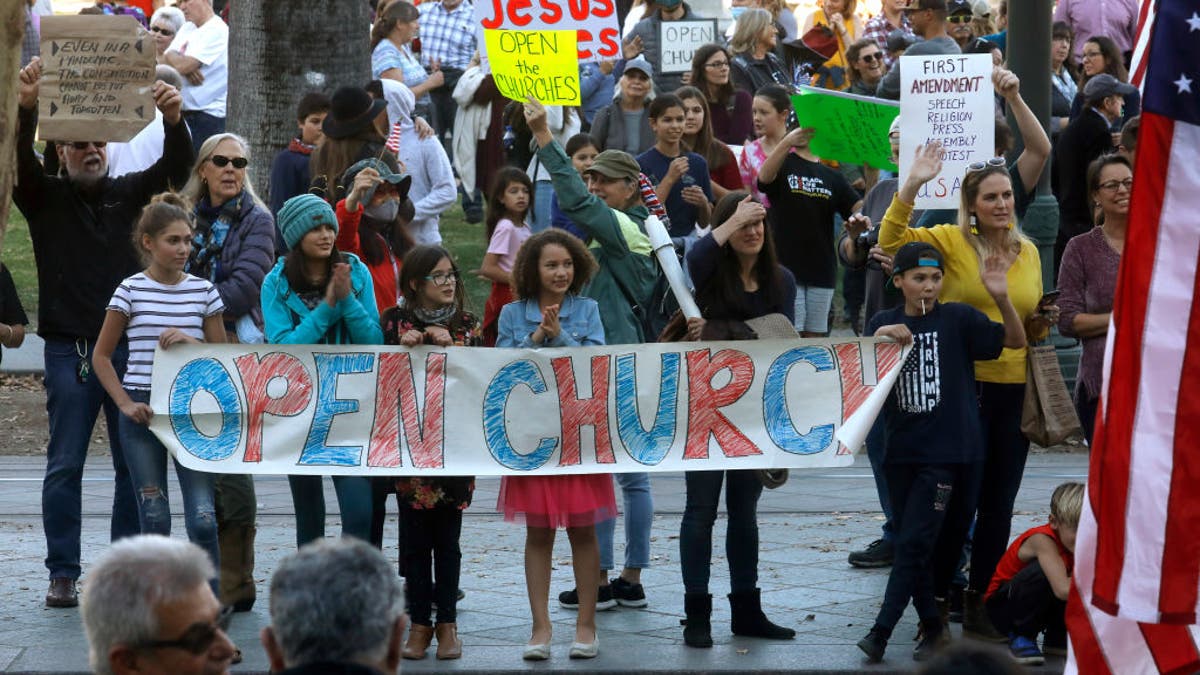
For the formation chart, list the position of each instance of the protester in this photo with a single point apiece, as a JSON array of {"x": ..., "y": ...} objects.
[
  {"x": 879, "y": 28},
  {"x": 1088, "y": 278},
  {"x": 371, "y": 224},
  {"x": 392, "y": 57},
  {"x": 290, "y": 169},
  {"x": 564, "y": 123},
  {"x": 1063, "y": 78},
  {"x": 772, "y": 108},
  {"x": 841, "y": 18},
  {"x": 643, "y": 39},
  {"x": 624, "y": 124},
  {"x": 933, "y": 461},
  {"x": 867, "y": 65},
  {"x": 698, "y": 137},
  {"x": 898, "y": 43},
  {"x": 797, "y": 183},
  {"x": 198, "y": 52},
  {"x": 1028, "y": 594},
  {"x": 424, "y": 160},
  {"x": 582, "y": 150},
  {"x": 165, "y": 23},
  {"x": 680, "y": 177},
  {"x": 336, "y": 607},
  {"x": 148, "y": 608},
  {"x": 161, "y": 306},
  {"x": 737, "y": 278},
  {"x": 729, "y": 107},
  {"x": 550, "y": 269},
  {"x": 1000, "y": 37},
  {"x": 31, "y": 42},
  {"x": 960, "y": 17},
  {"x": 448, "y": 32},
  {"x": 595, "y": 89},
  {"x": 1102, "y": 56},
  {"x": 80, "y": 226},
  {"x": 12, "y": 314},
  {"x": 508, "y": 209},
  {"x": 986, "y": 226},
  {"x": 350, "y": 135},
  {"x": 928, "y": 21},
  {"x": 479, "y": 143},
  {"x": 1116, "y": 19},
  {"x": 753, "y": 61},
  {"x": 1127, "y": 148},
  {"x": 317, "y": 295}
]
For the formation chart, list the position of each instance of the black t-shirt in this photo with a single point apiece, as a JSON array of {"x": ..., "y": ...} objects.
[
  {"x": 11, "y": 311},
  {"x": 932, "y": 413},
  {"x": 804, "y": 198}
]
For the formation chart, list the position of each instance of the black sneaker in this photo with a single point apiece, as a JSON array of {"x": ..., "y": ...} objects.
[
  {"x": 604, "y": 600},
  {"x": 873, "y": 645},
  {"x": 878, "y": 554},
  {"x": 627, "y": 594}
]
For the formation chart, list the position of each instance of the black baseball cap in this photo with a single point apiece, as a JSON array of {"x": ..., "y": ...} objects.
[
  {"x": 918, "y": 5},
  {"x": 917, "y": 254}
]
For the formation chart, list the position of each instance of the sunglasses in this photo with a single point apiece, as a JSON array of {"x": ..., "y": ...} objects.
[
  {"x": 992, "y": 163},
  {"x": 161, "y": 31},
  {"x": 220, "y": 161},
  {"x": 960, "y": 18},
  {"x": 198, "y": 638},
  {"x": 871, "y": 58},
  {"x": 83, "y": 145},
  {"x": 442, "y": 279}
]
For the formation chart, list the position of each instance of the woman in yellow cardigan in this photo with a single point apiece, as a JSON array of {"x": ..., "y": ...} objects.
[{"x": 986, "y": 226}]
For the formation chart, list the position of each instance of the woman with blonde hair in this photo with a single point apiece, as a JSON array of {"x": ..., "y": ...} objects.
[
  {"x": 840, "y": 17},
  {"x": 754, "y": 63}
]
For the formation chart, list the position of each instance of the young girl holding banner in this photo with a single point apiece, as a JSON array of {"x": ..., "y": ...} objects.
[
  {"x": 509, "y": 203},
  {"x": 549, "y": 271}
]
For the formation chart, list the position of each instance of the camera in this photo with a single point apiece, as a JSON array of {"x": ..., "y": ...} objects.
[{"x": 863, "y": 245}]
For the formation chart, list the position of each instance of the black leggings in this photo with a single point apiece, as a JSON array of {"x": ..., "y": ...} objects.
[{"x": 429, "y": 549}]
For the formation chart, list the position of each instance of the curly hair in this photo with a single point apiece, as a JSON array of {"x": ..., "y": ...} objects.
[{"x": 527, "y": 280}]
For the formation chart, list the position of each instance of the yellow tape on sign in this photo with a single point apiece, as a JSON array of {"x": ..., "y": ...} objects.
[{"x": 541, "y": 63}]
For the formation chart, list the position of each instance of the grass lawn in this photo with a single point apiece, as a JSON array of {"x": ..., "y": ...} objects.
[{"x": 17, "y": 256}]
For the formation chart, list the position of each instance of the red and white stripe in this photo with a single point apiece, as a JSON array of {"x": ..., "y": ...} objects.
[{"x": 1141, "y": 42}]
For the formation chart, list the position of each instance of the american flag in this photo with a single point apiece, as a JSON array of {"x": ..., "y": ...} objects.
[{"x": 1136, "y": 591}]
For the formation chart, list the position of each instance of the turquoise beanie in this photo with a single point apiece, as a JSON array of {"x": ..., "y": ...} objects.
[{"x": 301, "y": 214}]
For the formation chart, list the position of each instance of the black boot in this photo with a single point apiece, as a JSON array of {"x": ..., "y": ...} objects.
[
  {"x": 697, "y": 627},
  {"x": 934, "y": 637},
  {"x": 976, "y": 623},
  {"x": 749, "y": 620}
]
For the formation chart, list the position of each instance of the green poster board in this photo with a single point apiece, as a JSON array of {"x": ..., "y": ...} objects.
[{"x": 849, "y": 128}]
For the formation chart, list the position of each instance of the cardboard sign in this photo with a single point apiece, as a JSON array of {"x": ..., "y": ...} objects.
[
  {"x": 594, "y": 21},
  {"x": 97, "y": 78},
  {"x": 849, "y": 128},
  {"x": 318, "y": 409},
  {"x": 947, "y": 99},
  {"x": 540, "y": 63},
  {"x": 679, "y": 40}
]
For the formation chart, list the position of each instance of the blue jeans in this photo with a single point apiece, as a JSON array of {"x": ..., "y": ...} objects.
[
  {"x": 354, "y": 500},
  {"x": 72, "y": 407},
  {"x": 147, "y": 459},
  {"x": 639, "y": 514},
  {"x": 742, "y": 491},
  {"x": 876, "y": 447},
  {"x": 203, "y": 125},
  {"x": 540, "y": 215}
]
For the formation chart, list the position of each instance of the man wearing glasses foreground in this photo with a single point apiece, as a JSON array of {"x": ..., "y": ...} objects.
[{"x": 81, "y": 227}]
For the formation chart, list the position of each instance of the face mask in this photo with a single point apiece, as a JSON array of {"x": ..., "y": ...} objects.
[
  {"x": 385, "y": 212},
  {"x": 737, "y": 12}
]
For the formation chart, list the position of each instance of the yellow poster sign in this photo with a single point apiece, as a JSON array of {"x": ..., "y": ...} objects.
[{"x": 539, "y": 63}]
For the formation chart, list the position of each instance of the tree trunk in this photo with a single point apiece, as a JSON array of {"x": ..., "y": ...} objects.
[
  {"x": 280, "y": 50},
  {"x": 12, "y": 29}
]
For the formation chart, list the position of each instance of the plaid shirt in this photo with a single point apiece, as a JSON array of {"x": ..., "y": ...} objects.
[
  {"x": 447, "y": 36},
  {"x": 877, "y": 29}
]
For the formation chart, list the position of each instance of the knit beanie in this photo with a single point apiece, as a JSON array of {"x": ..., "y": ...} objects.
[{"x": 301, "y": 214}]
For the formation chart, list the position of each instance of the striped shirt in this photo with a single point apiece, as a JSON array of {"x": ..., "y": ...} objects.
[{"x": 152, "y": 308}]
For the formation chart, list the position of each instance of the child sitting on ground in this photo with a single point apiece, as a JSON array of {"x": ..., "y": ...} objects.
[
  {"x": 934, "y": 456},
  {"x": 1028, "y": 593}
]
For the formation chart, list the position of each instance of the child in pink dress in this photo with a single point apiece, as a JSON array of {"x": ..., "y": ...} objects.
[{"x": 509, "y": 203}]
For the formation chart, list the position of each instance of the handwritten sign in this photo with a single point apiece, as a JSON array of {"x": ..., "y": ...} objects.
[
  {"x": 849, "y": 128},
  {"x": 679, "y": 40},
  {"x": 594, "y": 22},
  {"x": 97, "y": 78},
  {"x": 318, "y": 409},
  {"x": 947, "y": 99},
  {"x": 538, "y": 63}
]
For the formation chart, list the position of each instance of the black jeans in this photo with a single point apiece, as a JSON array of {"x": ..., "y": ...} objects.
[
  {"x": 429, "y": 550},
  {"x": 1004, "y": 463},
  {"x": 932, "y": 505},
  {"x": 1026, "y": 605},
  {"x": 443, "y": 108},
  {"x": 742, "y": 491},
  {"x": 1085, "y": 407}
]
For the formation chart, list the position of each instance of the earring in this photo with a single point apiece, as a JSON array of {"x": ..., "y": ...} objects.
[
  {"x": 974, "y": 229},
  {"x": 1010, "y": 224}
]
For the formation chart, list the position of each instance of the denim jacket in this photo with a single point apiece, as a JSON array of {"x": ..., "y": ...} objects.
[
  {"x": 579, "y": 318},
  {"x": 288, "y": 321}
]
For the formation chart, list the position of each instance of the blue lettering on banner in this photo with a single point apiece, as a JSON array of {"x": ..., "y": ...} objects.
[
  {"x": 329, "y": 406},
  {"x": 780, "y": 426},
  {"x": 647, "y": 447},
  {"x": 495, "y": 399},
  {"x": 206, "y": 375}
]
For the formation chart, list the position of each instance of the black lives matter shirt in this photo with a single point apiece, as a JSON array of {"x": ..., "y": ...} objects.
[
  {"x": 932, "y": 413},
  {"x": 804, "y": 198}
]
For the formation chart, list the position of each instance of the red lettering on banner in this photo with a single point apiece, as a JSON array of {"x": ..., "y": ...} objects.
[
  {"x": 603, "y": 8},
  {"x": 855, "y": 388},
  {"x": 396, "y": 402},
  {"x": 256, "y": 374},
  {"x": 608, "y": 38},
  {"x": 579, "y": 412},
  {"x": 553, "y": 13},
  {"x": 704, "y": 416},
  {"x": 579, "y": 9},
  {"x": 516, "y": 13},
  {"x": 497, "y": 18},
  {"x": 583, "y": 37}
]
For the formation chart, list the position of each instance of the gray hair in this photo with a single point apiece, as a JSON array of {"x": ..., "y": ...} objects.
[
  {"x": 165, "y": 73},
  {"x": 172, "y": 16},
  {"x": 194, "y": 189},
  {"x": 335, "y": 600},
  {"x": 126, "y": 586}
]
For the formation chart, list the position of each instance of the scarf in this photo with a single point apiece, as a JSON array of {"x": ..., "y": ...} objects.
[
  {"x": 300, "y": 147},
  {"x": 435, "y": 317},
  {"x": 213, "y": 224}
]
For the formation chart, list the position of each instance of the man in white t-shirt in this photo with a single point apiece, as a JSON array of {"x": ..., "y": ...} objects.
[{"x": 199, "y": 53}]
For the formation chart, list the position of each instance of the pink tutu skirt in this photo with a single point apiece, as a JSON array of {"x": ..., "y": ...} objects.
[{"x": 574, "y": 500}]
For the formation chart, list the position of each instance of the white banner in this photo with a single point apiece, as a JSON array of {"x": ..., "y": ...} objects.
[
  {"x": 316, "y": 409},
  {"x": 949, "y": 99},
  {"x": 679, "y": 40}
]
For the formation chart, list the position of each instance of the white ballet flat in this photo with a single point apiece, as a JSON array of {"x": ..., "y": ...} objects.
[
  {"x": 585, "y": 650},
  {"x": 539, "y": 652}
]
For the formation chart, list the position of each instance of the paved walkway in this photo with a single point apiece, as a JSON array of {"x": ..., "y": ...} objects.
[{"x": 807, "y": 528}]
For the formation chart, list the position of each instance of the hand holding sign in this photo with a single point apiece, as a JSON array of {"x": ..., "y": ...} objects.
[
  {"x": 30, "y": 76},
  {"x": 169, "y": 101},
  {"x": 1007, "y": 84}
]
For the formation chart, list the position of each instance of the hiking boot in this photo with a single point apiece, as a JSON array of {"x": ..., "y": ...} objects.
[
  {"x": 878, "y": 553},
  {"x": 604, "y": 599},
  {"x": 873, "y": 645},
  {"x": 1025, "y": 650},
  {"x": 627, "y": 594}
]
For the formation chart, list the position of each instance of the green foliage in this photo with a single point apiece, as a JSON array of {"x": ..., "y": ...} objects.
[{"x": 17, "y": 256}]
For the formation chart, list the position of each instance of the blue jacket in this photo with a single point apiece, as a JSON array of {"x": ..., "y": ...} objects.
[
  {"x": 245, "y": 260},
  {"x": 579, "y": 318},
  {"x": 288, "y": 321}
]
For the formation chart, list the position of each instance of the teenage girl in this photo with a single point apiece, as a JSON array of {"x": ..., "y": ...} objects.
[
  {"x": 548, "y": 273},
  {"x": 161, "y": 305},
  {"x": 771, "y": 109},
  {"x": 509, "y": 203},
  {"x": 582, "y": 150}
]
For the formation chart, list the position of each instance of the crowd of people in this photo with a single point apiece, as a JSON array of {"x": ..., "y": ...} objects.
[{"x": 163, "y": 241}]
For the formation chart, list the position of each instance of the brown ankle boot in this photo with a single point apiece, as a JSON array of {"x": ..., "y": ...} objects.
[
  {"x": 976, "y": 623},
  {"x": 449, "y": 646},
  {"x": 419, "y": 638}
]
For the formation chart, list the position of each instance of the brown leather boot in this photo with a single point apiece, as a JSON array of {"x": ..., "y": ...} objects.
[
  {"x": 419, "y": 638},
  {"x": 449, "y": 646},
  {"x": 976, "y": 623}
]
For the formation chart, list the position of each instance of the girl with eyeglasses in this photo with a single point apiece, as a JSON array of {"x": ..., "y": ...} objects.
[
  {"x": 866, "y": 66},
  {"x": 1101, "y": 55},
  {"x": 431, "y": 508},
  {"x": 729, "y": 106}
]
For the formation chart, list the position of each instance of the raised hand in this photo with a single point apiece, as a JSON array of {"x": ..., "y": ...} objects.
[
  {"x": 30, "y": 79},
  {"x": 168, "y": 100},
  {"x": 632, "y": 48},
  {"x": 994, "y": 275},
  {"x": 1007, "y": 84},
  {"x": 535, "y": 115},
  {"x": 798, "y": 138},
  {"x": 857, "y": 224},
  {"x": 927, "y": 163}
]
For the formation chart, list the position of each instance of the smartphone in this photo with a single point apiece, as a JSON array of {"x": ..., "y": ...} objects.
[{"x": 1049, "y": 298}]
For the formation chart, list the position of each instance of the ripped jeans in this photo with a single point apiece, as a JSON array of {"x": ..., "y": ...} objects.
[{"x": 147, "y": 461}]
